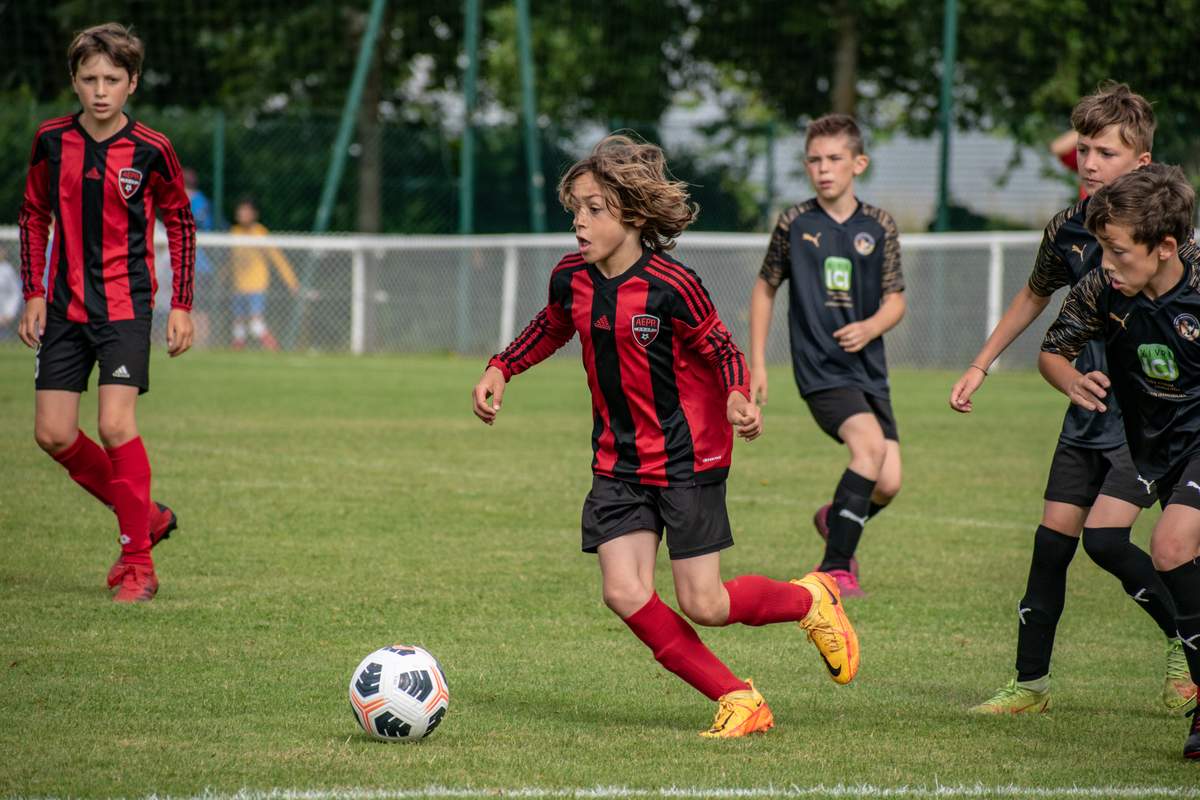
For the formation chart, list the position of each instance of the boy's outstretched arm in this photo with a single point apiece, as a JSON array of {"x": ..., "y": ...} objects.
[
  {"x": 762, "y": 303},
  {"x": 1086, "y": 391},
  {"x": 1023, "y": 310}
]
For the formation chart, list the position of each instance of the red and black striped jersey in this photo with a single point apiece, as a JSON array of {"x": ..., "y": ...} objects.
[
  {"x": 102, "y": 197},
  {"x": 660, "y": 365}
]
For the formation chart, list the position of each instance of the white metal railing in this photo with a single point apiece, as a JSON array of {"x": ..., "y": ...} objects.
[{"x": 368, "y": 287}]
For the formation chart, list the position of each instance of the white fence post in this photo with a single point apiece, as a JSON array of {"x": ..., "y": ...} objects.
[
  {"x": 508, "y": 296},
  {"x": 995, "y": 287},
  {"x": 358, "y": 300}
]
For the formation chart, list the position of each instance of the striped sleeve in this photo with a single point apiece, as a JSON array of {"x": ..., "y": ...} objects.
[
  {"x": 546, "y": 332},
  {"x": 1079, "y": 321},
  {"x": 33, "y": 221},
  {"x": 699, "y": 326},
  {"x": 893, "y": 276},
  {"x": 777, "y": 263},
  {"x": 171, "y": 197},
  {"x": 1050, "y": 270}
]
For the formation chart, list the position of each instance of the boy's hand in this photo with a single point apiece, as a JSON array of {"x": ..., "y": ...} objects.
[
  {"x": 32, "y": 326},
  {"x": 179, "y": 332},
  {"x": 491, "y": 385},
  {"x": 758, "y": 385},
  {"x": 744, "y": 416},
  {"x": 855, "y": 336},
  {"x": 1088, "y": 390},
  {"x": 967, "y": 385}
]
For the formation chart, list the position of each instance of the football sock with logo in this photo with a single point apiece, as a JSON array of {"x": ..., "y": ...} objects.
[
  {"x": 755, "y": 600},
  {"x": 131, "y": 499},
  {"x": 89, "y": 466},
  {"x": 1184, "y": 584},
  {"x": 1111, "y": 549},
  {"x": 677, "y": 647},
  {"x": 1042, "y": 605},
  {"x": 847, "y": 515}
]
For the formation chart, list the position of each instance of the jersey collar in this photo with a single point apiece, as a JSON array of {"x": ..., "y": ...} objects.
[
  {"x": 600, "y": 281},
  {"x": 87, "y": 137}
]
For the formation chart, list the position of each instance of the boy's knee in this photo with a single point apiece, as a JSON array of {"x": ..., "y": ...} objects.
[
  {"x": 1167, "y": 553},
  {"x": 706, "y": 609},
  {"x": 625, "y": 598},
  {"x": 886, "y": 489},
  {"x": 54, "y": 440},
  {"x": 116, "y": 431}
]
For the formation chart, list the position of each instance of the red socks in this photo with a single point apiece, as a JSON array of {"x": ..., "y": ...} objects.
[
  {"x": 88, "y": 465},
  {"x": 677, "y": 647},
  {"x": 755, "y": 600},
  {"x": 130, "y": 493}
]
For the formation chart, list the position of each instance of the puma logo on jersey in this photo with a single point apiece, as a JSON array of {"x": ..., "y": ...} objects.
[
  {"x": 1119, "y": 320},
  {"x": 814, "y": 238},
  {"x": 121, "y": 372},
  {"x": 1078, "y": 249},
  {"x": 1146, "y": 483},
  {"x": 862, "y": 521}
]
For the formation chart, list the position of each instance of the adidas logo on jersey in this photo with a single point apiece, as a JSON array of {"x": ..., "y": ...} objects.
[
  {"x": 92, "y": 174},
  {"x": 602, "y": 323},
  {"x": 121, "y": 372}
]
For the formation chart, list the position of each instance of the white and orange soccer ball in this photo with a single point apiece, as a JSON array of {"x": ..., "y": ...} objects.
[{"x": 399, "y": 693}]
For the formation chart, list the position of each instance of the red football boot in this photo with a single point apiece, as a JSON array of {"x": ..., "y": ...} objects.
[{"x": 137, "y": 584}]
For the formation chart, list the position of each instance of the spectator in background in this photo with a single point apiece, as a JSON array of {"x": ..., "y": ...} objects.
[
  {"x": 10, "y": 296},
  {"x": 252, "y": 277},
  {"x": 202, "y": 214},
  {"x": 1063, "y": 148}
]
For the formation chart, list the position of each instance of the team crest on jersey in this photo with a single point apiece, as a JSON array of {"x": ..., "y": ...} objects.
[
  {"x": 864, "y": 243},
  {"x": 645, "y": 329},
  {"x": 1188, "y": 327},
  {"x": 129, "y": 179}
]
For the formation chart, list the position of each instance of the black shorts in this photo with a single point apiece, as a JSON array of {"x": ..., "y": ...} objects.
[
  {"x": 694, "y": 517},
  {"x": 1181, "y": 486},
  {"x": 831, "y": 407},
  {"x": 1078, "y": 475},
  {"x": 70, "y": 349}
]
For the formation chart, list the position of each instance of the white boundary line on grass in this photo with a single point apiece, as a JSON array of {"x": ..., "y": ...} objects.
[{"x": 699, "y": 793}]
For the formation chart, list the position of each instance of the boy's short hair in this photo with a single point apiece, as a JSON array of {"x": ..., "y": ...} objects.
[
  {"x": 1116, "y": 104},
  {"x": 835, "y": 125},
  {"x": 636, "y": 184},
  {"x": 111, "y": 39},
  {"x": 1153, "y": 202}
]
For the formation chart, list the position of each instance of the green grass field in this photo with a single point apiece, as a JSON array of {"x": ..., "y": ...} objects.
[{"x": 331, "y": 505}]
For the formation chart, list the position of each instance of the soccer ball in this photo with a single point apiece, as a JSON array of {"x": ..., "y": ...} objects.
[{"x": 399, "y": 693}]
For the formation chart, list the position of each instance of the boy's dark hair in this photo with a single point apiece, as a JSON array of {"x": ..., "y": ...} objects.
[
  {"x": 835, "y": 125},
  {"x": 110, "y": 39},
  {"x": 1116, "y": 104},
  {"x": 1154, "y": 202},
  {"x": 636, "y": 184}
]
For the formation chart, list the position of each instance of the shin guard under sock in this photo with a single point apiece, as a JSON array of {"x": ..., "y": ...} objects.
[
  {"x": 677, "y": 647},
  {"x": 755, "y": 600},
  {"x": 1111, "y": 549},
  {"x": 847, "y": 516},
  {"x": 131, "y": 499},
  {"x": 1042, "y": 605}
]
